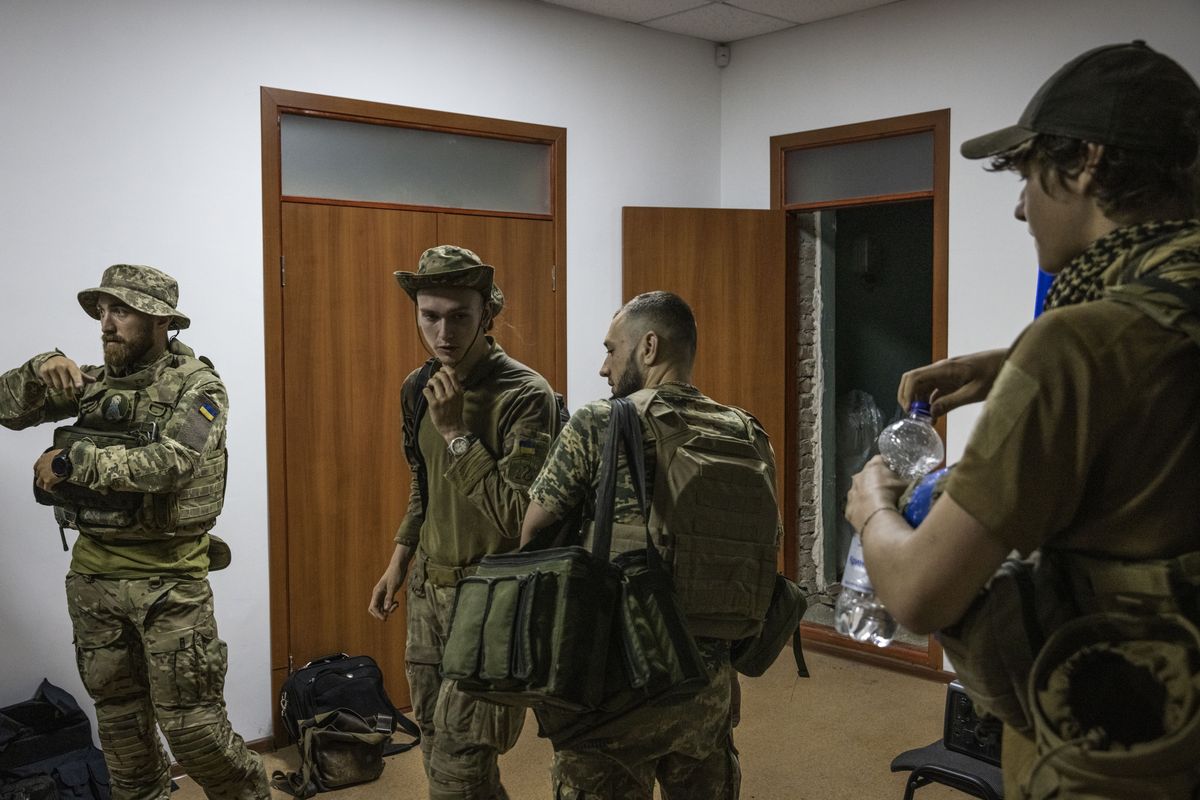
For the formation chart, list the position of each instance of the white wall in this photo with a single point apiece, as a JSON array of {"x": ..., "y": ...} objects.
[
  {"x": 981, "y": 59},
  {"x": 130, "y": 132}
]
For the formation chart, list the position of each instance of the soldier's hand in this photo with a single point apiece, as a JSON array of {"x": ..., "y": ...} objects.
[
  {"x": 874, "y": 487},
  {"x": 62, "y": 374},
  {"x": 444, "y": 394},
  {"x": 951, "y": 382},
  {"x": 43, "y": 475},
  {"x": 383, "y": 596}
]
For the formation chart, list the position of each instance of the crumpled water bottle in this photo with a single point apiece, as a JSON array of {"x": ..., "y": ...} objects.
[{"x": 910, "y": 447}]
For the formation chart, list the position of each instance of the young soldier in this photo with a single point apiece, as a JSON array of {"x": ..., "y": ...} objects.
[
  {"x": 141, "y": 476},
  {"x": 686, "y": 747},
  {"x": 483, "y": 436},
  {"x": 1089, "y": 442}
]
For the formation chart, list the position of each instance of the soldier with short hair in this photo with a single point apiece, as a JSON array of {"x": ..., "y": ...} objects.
[
  {"x": 477, "y": 427},
  {"x": 141, "y": 477},
  {"x": 686, "y": 747}
]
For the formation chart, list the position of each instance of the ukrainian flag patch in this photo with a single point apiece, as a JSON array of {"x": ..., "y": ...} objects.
[
  {"x": 208, "y": 409},
  {"x": 525, "y": 447}
]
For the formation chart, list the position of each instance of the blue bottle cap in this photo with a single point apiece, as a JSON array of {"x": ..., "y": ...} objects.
[{"x": 919, "y": 407}]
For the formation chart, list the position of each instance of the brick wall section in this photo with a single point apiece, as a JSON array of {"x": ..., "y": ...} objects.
[{"x": 808, "y": 407}]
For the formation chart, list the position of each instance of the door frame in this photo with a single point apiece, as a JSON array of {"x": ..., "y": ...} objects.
[
  {"x": 898, "y": 656},
  {"x": 273, "y": 104}
]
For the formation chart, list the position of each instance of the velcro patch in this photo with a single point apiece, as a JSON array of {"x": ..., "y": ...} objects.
[{"x": 1012, "y": 393}]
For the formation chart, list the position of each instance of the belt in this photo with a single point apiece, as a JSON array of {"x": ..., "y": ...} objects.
[{"x": 440, "y": 575}]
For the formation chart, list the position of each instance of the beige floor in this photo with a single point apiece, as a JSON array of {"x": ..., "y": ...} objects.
[{"x": 828, "y": 737}]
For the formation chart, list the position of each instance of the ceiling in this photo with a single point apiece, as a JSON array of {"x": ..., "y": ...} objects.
[{"x": 720, "y": 21}]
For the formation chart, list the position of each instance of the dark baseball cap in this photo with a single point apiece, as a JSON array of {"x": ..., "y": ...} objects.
[{"x": 1125, "y": 95}]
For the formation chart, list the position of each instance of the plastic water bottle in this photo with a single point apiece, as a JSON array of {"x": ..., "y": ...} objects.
[
  {"x": 858, "y": 613},
  {"x": 910, "y": 446}
]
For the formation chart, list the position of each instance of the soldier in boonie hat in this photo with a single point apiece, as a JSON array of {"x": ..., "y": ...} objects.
[
  {"x": 450, "y": 265},
  {"x": 145, "y": 289},
  {"x": 477, "y": 428},
  {"x": 140, "y": 473}
]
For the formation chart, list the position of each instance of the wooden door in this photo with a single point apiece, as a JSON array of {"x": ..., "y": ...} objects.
[
  {"x": 522, "y": 251},
  {"x": 350, "y": 338},
  {"x": 730, "y": 266},
  {"x": 349, "y": 341}
]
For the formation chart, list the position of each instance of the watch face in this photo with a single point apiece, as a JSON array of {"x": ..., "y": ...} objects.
[
  {"x": 60, "y": 465},
  {"x": 459, "y": 445}
]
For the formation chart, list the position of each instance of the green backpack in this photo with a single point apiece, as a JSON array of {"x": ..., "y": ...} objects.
[{"x": 714, "y": 517}]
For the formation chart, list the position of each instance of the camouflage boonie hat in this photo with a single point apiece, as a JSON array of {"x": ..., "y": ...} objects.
[
  {"x": 449, "y": 265},
  {"x": 144, "y": 289}
]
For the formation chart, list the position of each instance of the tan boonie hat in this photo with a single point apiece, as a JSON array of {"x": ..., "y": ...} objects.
[
  {"x": 450, "y": 265},
  {"x": 144, "y": 289}
]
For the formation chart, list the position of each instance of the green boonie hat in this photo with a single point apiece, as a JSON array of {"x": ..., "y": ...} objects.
[
  {"x": 1125, "y": 95},
  {"x": 145, "y": 289},
  {"x": 219, "y": 554},
  {"x": 450, "y": 265}
]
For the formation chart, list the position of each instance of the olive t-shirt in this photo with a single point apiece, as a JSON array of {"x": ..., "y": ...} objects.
[{"x": 1090, "y": 438}]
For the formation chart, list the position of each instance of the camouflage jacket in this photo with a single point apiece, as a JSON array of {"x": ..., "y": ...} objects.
[
  {"x": 477, "y": 501},
  {"x": 188, "y": 432}
]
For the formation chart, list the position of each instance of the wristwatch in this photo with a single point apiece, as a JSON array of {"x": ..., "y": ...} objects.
[
  {"x": 60, "y": 465},
  {"x": 459, "y": 445}
]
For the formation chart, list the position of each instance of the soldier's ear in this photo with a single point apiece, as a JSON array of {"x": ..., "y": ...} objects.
[{"x": 651, "y": 348}]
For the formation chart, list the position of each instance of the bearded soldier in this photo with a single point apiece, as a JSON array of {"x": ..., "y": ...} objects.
[{"x": 141, "y": 477}]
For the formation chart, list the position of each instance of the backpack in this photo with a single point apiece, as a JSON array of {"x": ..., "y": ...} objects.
[
  {"x": 46, "y": 749},
  {"x": 715, "y": 517},
  {"x": 339, "y": 714}
]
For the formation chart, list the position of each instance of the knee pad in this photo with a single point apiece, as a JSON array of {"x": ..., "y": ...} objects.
[
  {"x": 137, "y": 765},
  {"x": 219, "y": 761}
]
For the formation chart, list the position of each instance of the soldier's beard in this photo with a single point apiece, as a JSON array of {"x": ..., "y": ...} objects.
[
  {"x": 631, "y": 379},
  {"x": 121, "y": 355}
]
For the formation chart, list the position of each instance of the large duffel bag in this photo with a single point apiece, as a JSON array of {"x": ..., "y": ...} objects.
[{"x": 47, "y": 739}]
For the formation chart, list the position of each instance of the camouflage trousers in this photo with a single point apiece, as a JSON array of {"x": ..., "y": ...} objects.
[
  {"x": 686, "y": 747},
  {"x": 149, "y": 655},
  {"x": 461, "y": 737}
]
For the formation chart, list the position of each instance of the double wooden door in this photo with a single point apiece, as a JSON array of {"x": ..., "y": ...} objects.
[{"x": 349, "y": 338}]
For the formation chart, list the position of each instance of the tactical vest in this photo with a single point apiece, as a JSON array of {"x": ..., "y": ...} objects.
[
  {"x": 131, "y": 412},
  {"x": 713, "y": 516}
]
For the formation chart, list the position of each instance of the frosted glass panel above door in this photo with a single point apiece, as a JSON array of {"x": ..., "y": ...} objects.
[
  {"x": 340, "y": 160},
  {"x": 870, "y": 168}
]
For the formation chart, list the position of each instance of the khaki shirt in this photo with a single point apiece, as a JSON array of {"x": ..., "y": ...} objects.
[
  {"x": 158, "y": 467},
  {"x": 477, "y": 501},
  {"x": 1090, "y": 438}
]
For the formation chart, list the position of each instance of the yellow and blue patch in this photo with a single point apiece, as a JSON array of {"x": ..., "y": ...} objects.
[
  {"x": 208, "y": 409},
  {"x": 525, "y": 447}
]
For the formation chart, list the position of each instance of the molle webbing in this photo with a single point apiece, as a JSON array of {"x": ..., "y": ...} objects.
[
  {"x": 117, "y": 516},
  {"x": 715, "y": 517}
]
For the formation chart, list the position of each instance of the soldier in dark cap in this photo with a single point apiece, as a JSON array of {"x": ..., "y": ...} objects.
[
  {"x": 141, "y": 477},
  {"x": 477, "y": 427},
  {"x": 1086, "y": 458}
]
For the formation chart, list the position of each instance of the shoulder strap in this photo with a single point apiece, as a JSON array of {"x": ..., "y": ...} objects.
[
  {"x": 624, "y": 432},
  {"x": 412, "y": 447}
]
